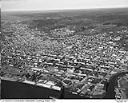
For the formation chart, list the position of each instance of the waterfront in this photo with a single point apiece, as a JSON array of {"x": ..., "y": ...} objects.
[
  {"x": 18, "y": 90},
  {"x": 14, "y": 89},
  {"x": 112, "y": 84}
]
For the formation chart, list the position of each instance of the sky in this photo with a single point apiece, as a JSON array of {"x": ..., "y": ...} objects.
[{"x": 30, "y": 5}]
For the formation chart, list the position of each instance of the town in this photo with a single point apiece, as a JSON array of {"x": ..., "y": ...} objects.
[{"x": 80, "y": 60}]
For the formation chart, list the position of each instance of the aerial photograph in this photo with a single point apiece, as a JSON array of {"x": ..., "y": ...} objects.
[{"x": 64, "y": 49}]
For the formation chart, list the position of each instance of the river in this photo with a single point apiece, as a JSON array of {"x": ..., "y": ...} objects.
[
  {"x": 18, "y": 90},
  {"x": 112, "y": 83}
]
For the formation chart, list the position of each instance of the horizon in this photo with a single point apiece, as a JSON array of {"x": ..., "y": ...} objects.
[
  {"x": 57, "y": 5},
  {"x": 60, "y": 10}
]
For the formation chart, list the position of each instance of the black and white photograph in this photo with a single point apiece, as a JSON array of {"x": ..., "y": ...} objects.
[{"x": 64, "y": 49}]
